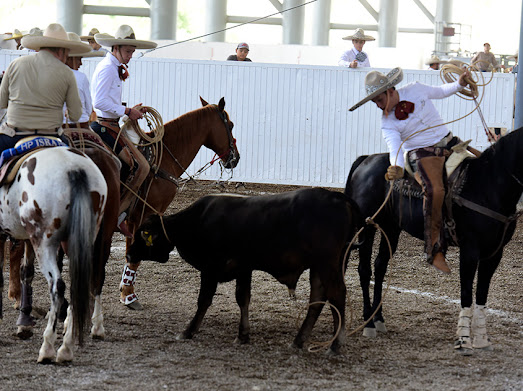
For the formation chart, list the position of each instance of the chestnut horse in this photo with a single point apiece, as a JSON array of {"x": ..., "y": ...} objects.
[{"x": 209, "y": 126}]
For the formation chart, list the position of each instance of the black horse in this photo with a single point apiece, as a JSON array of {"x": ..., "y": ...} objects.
[{"x": 484, "y": 210}]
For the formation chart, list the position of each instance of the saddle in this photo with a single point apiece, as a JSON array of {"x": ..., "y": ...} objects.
[
  {"x": 455, "y": 174},
  {"x": 11, "y": 159}
]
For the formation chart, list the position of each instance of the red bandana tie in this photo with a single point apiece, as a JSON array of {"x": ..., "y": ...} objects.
[
  {"x": 403, "y": 109},
  {"x": 123, "y": 73}
]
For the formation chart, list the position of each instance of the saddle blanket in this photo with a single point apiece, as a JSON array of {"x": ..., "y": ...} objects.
[{"x": 28, "y": 144}]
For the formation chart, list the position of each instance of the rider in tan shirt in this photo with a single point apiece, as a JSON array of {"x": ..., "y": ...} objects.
[{"x": 35, "y": 87}]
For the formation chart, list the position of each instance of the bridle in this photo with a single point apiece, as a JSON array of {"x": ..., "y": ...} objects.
[{"x": 232, "y": 141}]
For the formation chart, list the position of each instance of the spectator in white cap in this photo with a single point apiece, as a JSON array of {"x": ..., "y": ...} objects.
[
  {"x": 434, "y": 63},
  {"x": 242, "y": 50},
  {"x": 35, "y": 88},
  {"x": 356, "y": 57}
]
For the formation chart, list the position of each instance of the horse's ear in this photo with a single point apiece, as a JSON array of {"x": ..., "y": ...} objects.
[
  {"x": 221, "y": 104},
  {"x": 204, "y": 102}
]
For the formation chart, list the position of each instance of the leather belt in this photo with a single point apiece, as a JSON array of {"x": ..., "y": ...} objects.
[
  {"x": 31, "y": 132},
  {"x": 84, "y": 125}
]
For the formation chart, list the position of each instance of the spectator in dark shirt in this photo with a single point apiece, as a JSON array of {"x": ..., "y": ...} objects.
[{"x": 242, "y": 50}]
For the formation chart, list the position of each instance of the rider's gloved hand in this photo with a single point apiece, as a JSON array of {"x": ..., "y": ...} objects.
[{"x": 393, "y": 173}]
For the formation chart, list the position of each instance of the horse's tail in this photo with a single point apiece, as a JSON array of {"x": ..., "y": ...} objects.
[
  {"x": 82, "y": 230},
  {"x": 354, "y": 166}
]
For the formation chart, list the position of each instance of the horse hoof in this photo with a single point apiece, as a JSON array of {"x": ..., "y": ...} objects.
[
  {"x": 380, "y": 326},
  {"x": 135, "y": 305},
  {"x": 65, "y": 354},
  {"x": 369, "y": 332},
  {"x": 45, "y": 360},
  {"x": 464, "y": 351},
  {"x": 24, "y": 332},
  {"x": 98, "y": 333}
]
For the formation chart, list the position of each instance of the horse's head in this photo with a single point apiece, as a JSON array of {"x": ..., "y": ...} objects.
[{"x": 223, "y": 143}]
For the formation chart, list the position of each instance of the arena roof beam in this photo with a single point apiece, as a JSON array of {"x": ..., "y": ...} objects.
[{"x": 163, "y": 14}]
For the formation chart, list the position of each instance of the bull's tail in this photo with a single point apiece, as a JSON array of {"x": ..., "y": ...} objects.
[{"x": 82, "y": 231}]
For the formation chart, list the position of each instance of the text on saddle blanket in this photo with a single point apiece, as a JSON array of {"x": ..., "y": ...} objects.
[{"x": 11, "y": 159}]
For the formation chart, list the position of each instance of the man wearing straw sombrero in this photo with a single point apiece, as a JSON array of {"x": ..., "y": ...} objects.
[
  {"x": 434, "y": 63},
  {"x": 106, "y": 92},
  {"x": 34, "y": 88},
  {"x": 411, "y": 123},
  {"x": 17, "y": 36},
  {"x": 94, "y": 45},
  {"x": 356, "y": 57},
  {"x": 74, "y": 61}
]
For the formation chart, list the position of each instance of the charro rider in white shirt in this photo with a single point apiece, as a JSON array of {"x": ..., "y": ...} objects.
[
  {"x": 409, "y": 117},
  {"x": 356, "y": 57},
  {"x": 106, "y": 92},
  {"x": 74, "y": 61}
]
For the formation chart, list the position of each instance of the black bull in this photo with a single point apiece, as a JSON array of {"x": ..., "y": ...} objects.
[{"x": 227, "y": 237}]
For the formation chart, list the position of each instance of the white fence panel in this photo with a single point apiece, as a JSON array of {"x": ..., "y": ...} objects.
[{"x": 292, "y": 122}]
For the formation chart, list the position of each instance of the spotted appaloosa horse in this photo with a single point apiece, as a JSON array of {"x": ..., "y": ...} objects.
[
  {"x": 210, "y": 126},
  {"x": 58, "y": 199}
]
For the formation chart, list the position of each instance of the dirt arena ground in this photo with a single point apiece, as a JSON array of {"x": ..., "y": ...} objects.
[{"x": 141, "y": 352}]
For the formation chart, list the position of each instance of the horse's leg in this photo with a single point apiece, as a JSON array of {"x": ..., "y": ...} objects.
[
  {"x": 335, "y": 293},
  {"x": 380, "y": 269},
  {"x": 365, "y": 273},
  {"x": 486, "y": 270},
  {"x": 208, "y": 285},
  {"x": 25, "y": 321},
  {"x": 16, "y": 253},
  {"x": 467, "y": 270},
  {"x": 47, "y": 260},
  {"x": 127, "y": 295},
  {"x": 243, "y": 298}
]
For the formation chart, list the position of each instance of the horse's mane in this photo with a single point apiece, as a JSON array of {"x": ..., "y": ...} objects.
[
  {"x": 505, "y": 151},
  {"x": 191, "y": 116},
  {"x": 181, "y": 129}
]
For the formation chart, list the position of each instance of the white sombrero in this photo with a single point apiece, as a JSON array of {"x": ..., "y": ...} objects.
[
  {"x": 376, "y": 83},
  {"x": 54, "y": 37},
  {"x": 435, "y": 60},
  {"x": 359, "y": 34},
  {"x": 124, "y": 36},
  {"x": 91, "y": 35},
  {"x": 15, "y": 34},
  {"x": 91, "y": 53}
]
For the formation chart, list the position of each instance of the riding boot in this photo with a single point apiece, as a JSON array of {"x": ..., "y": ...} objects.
[{"x": 430, "y": 173}]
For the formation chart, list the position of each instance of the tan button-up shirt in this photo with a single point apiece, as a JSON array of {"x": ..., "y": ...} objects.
[{"x": 34, "y": 90}]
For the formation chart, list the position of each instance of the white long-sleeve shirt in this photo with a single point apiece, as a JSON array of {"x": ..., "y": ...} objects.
[
  {"x": 85, "y": 96},
  {"x": 424, "y": 115},
  {"x": 106, "y": 88},
  {"x": 350, "y": 55}
]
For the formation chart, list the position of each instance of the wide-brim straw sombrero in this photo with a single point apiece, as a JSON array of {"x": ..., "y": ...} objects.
[
  {"x": 359, "y": 34},
  {"x": 377, "y": 83},
  {"x": 91, "y": 53},
  {"x": 54, "y": 37},
  {"x": 435, "y": 60},
  {"x": 16, "y": 34},
  {"x": 91, "y": 35},
  {"x": 124, "y": 36}
]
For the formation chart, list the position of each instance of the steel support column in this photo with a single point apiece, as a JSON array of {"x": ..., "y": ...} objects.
[
  {"x": 518, "y": 120},
  {"x": 321, "y": 11},
  {"x": 388, "y": 23},
  {"x": 164, "y": 17},
  {"x": 215, "y": 19},
  {"x": 293, "y": 22},
  {"x": 442, "y": 17},
  {"x": 69, "y": 14}
]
